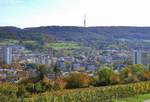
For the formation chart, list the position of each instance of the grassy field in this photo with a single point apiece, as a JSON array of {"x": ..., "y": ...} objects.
[
  {"x": 62, "y": 45},
  {"x": 56, "y": 46},
  {"x": 138, "y": 98},
  {"x": 8, "y": 41},
  {"x": 30, "y": 41}
]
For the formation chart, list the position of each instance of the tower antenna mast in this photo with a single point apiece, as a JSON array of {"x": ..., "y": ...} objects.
[{"x": 84, "y": 20}]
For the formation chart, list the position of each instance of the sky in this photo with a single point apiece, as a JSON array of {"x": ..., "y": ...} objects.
[{"x": 33, "y": 13}]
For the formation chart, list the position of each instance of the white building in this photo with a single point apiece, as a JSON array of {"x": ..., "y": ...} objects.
[
  {"x": 137, "y": 54},
  {"x": 8, "y": 55}
]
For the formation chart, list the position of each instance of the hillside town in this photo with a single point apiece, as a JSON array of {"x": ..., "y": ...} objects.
[{"x": 13, "y": 59}]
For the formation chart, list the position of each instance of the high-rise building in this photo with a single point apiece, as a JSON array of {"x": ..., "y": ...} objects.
[
  {"x": 8, "y": 55},
  {"x": 137, "y": 57},
  {"x": 1, "y": 55}
]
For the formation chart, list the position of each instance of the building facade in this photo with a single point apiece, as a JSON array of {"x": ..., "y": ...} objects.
[
  {"x": 137, "y": 57},
  {"x": 8, "y": 55}
]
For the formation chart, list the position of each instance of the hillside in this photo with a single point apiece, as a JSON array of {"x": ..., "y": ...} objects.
[
  {"x": 76, "y": 33},
  {"x": 89, "y": 36}
]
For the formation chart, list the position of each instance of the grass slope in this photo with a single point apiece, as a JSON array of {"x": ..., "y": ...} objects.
[
  {"x": 62, "y": 45},
  {"x": 138, "y": 98}
]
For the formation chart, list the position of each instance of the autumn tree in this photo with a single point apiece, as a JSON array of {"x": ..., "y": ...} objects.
[
  {"x": 104, "y": 74},
  {"x": 77, "y": 80},
  {"x": 43, "y": 70},
  {"x": 56, "y": 70}
]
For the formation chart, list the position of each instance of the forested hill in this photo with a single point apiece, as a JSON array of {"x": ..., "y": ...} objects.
[{"x": 71, "y": 33}]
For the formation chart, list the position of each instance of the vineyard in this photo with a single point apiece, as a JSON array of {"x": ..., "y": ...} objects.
[
  {"x": 10, "y": 92},
  {"x": 106, "y": 86}
]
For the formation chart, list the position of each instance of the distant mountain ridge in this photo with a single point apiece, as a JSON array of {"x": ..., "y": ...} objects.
[{"x": 79, "y": 34}]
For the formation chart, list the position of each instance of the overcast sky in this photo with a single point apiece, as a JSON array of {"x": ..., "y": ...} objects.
[{"x": 32, "y": 13}]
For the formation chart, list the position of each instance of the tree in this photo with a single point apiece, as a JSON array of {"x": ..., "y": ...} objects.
[
  {"x": 5, "y": 66},
  {"x": 146, "y": 75},
  {"x": 77, "y": 80},
  {"x": 115, "y": 78},
  {"x": 138, "y": 70},
  {"x": 16, "y": 65},
  {"x": 43, "y": 70},
  {"x": 35, "y": 87},
  {"x": 68, "y": 66},
  {"x": 56, "y": 70},
  {"x": 104, "y": 75},
  {"x": 30, "y": 66},
  {"x": 126, "y": 75},
  {"x": 133, "y": 73}
]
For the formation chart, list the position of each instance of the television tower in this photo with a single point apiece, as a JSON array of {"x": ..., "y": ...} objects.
[{"x": 84, "y": 20}]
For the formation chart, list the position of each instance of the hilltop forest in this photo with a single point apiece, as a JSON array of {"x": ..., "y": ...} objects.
[{"x": 97, "y": 37}]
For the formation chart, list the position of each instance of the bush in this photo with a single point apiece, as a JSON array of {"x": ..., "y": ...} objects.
[
  {"x": 47, "y": 83},
  {"x": 77, "y": 80},
  {"x": 59, "y": 84},
  {"x": 115, "y": 78},
  {"x": 146, "y": 75},
  {"x": 104, "y": 75},
  {"x": 35, "y": 87},
  {"x": 8, "y": 89},
  {"x": 95, "y": 81},
  {"x": 134, "y": 73},
  {"x": 138, "y": 70}
]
